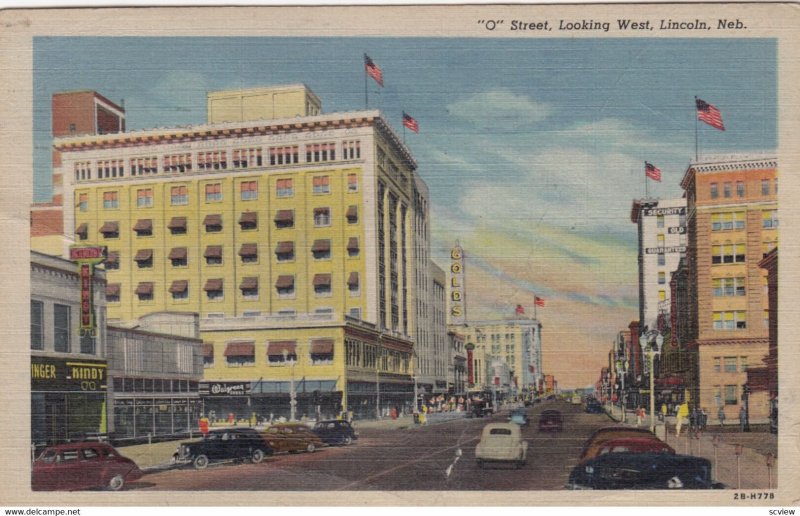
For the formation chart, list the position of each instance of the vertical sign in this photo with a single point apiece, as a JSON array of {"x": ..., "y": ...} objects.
[
  {"x": 87, "y": 257},
  {"x": 458, "y": 301},
  {"x": 470, "y": 367}
]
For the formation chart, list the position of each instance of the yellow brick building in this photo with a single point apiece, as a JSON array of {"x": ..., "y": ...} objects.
[{"x": 294, "y": 230}]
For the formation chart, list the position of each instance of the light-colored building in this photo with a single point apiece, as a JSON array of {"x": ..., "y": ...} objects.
[
  {"x": 278, "y": 232},
  {"x": 69, "y": 370},
  {"x": 661, "y": 225},
  {"x": 732, "y": 223}
]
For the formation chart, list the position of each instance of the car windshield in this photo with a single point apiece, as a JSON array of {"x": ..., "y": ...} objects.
[
  {"x": 48, "y": 456},
  {"x": 499, "y": 431}
]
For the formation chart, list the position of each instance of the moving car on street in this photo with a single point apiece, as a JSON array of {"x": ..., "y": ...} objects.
[
  {"x": 594, "y": 407},
  {"x": 84, "y": 465},
  {"x": 643, "y": 471},
  {"x": 501, "y": 442},
  {"x": 224, "y": 445},
  {"x": 335, "y": 431},
  {"x": 635, "y": 445},
  {"x": 519, "y": 416},
  {"x": 596, "y": 441},
  {"x": 292, "y": 437},
  {"x": 551, "y": 421}
]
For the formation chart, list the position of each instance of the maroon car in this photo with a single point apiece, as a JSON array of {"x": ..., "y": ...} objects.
[
  {"x": 635, "y": 445},
  {"x": 551, "y": 421},
  {"x": 85, "y": 465}
]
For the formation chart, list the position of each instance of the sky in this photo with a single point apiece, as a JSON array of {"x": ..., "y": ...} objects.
[{"x": 533, "y": 149}]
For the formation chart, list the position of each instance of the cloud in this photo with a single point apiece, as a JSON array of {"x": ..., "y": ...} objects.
[{"x": 499, "y": 108}]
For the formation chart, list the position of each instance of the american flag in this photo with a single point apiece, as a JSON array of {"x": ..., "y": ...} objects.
[
  {"x": 538, "y": 300},
  {"x": 709, "y": 114},
  {"x": 373, "y": 70},
  {"x": 652, "y": 172},
  {"x": 409, "y": 122},
  {"x": 520, "y": 310}
]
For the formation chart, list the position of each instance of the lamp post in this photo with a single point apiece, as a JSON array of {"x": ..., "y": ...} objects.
[
  {"x": 652, "y": 340},
  {"x": 622, "y": 369},
  {"x": 292, "y": 393}
]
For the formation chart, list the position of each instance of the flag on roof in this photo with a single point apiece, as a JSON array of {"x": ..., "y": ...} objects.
[
  {"x": 410, "y": 122},
  {"x": 652, "y": 172},
  {"x": 538, "y": 300},
  {"x": 709, "y": 114},
  {"x": 373, "y": 70}
]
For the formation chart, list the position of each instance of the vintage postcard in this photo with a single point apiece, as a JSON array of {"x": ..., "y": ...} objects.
[{"x": 400, "y": 255}]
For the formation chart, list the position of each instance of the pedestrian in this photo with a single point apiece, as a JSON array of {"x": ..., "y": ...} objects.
[
  {"x": 683, "y": 412},
  {"x": 693, "y": 419},
  {"x": 663, "y": 412},
  {"x": 639, "y": 413},
  {"x": 742, "y": 418},
  {"x": 721, "y": 416},
  {"x": 703, "y": 419}
]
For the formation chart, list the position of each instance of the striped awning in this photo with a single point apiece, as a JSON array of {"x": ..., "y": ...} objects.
[
  {"x": 240, "y": 349},
  {"x": 322, "y": 347},
  {"x": 276, "y": 348}
]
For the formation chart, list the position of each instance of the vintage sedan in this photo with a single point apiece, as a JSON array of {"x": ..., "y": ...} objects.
[
  {"x": 292, "y": 437},
  {"x": 84, "y": 465},
  {"x": 634, "y": 445},
  {"x": 551, "y": 421},
  {"x": 335, "y": 431},
  {"x": 643, "y": 471},
  {"x": 596, "y": 441},
  {"x": 501, "y": 442},
  {"x": 224, "y": 445}
]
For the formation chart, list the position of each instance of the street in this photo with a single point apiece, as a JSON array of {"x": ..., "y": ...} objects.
[{"x": 409, "y": 459}]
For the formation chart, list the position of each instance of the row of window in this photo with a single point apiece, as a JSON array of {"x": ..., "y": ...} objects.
[
  {"x": 735, "y": 220},
  {"x": 248, "y": 191},
  {"x": 62, "y": 329},
  {"x": 741, "y": 188},
  {"x": 279, "y": 353},
  {"x": 731, "y": 393},
  {"x": 126, "y": 384},
  {"x": 730, "y": 364},
  {"x": 248, "y": 221},
  {"x": 730, "y": 320},
  {"x": 249, "y": 286},
  {"x": 242, "y": 158}
]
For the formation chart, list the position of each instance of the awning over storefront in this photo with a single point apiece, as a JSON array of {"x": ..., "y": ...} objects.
[
  {"x": 669, "y": 381},
  {"x": 758, "y": 378},
  {"x": 276, "y": 348},
  {"x": 240, "y": 349}
]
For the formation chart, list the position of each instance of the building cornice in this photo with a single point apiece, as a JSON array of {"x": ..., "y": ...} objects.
[{"x": 728, "y": 163}]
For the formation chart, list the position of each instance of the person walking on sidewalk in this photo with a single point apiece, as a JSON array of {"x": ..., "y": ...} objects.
[
  {"x": 683, "y": 411},
  {"x": 663, "y": 412},
  {"x": 721, "y": 416}
]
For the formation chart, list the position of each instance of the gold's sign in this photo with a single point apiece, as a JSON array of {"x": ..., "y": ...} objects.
[{"x": 458, "y": 311}]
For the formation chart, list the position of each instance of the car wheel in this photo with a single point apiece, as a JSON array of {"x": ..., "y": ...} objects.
[
  {"x": 257, "y": 456},
  {"x": 348, "y": 441},
  {"x": 310, "y": 448},
  {"x": 200, "y": 462},
  {"x": 116, "y": 482}
]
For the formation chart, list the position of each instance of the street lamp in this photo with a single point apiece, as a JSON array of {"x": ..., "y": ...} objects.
[
  {"x": 622, "y": 371},
  {"x": 292, "y": 393},
  {"x": 652, "y": 340}
]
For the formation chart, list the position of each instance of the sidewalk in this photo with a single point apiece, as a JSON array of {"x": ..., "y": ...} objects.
[{"x": 748, "y": 470}]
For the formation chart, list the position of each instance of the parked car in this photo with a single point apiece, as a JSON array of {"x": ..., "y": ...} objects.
[
  {"x": 635, "y": 445},
  {"x": 643, "y": 471},
  {"x": 501, "y": 442},
  {"x": 594, "y": 407},
  {"x": 224, "y": 445},
  {"x": 519, "y": 416},
  {"x": 292, "y": 437},
  {"x": 82, "y": 465},
  {"x": 551, "y": 421},
  {"x": 335, "y": 431},
  {"x": 592, "y": 446}
]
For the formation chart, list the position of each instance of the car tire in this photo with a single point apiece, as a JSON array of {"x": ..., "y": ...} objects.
[
  {"x": 200, "y": 462},
  {"x": 310, "y": 448},
  {"x": 116, "y": 482},
  {"x": 347, "y": 441},
  {"x": 257, "y": 456}
]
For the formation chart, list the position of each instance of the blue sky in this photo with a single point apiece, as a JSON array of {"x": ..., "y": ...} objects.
[{"x": 532, "y": 148}]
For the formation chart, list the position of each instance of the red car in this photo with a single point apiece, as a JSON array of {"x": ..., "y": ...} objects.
[
  {"x": 635, "y": 445},
  {"x": 551, "y": 421},
  {"x": 85, "y": 465}
]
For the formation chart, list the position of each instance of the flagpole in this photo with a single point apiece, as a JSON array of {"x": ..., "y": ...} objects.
[
  {"x": 696, "y": 145},
  {"x": 366, "y": 95},
  {"x": 646, "y": 194},
  {"x": 404, "y": 129}
]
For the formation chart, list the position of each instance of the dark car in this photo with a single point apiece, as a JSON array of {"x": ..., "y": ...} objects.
[
  {"x": 593, "y": 407},
  {"x": 643, "y": 471},
  {"x": 595, "y": 441},
  {"x": 335, "y": 431},
  {"x": 551, "y": 421},
  {"x": 84, "y": 465},
  {"x": 224, "y": 445}
]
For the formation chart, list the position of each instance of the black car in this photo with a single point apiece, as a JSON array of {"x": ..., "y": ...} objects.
[
  {"x": 593, "y": 407},
  {"x": 224, "y": 445},
  {"x": 335, "y": 431},
  {"x": 643, "y": 471}
]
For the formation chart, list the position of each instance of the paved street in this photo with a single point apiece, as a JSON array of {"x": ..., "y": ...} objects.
[{"x": 403, "y": 459}]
